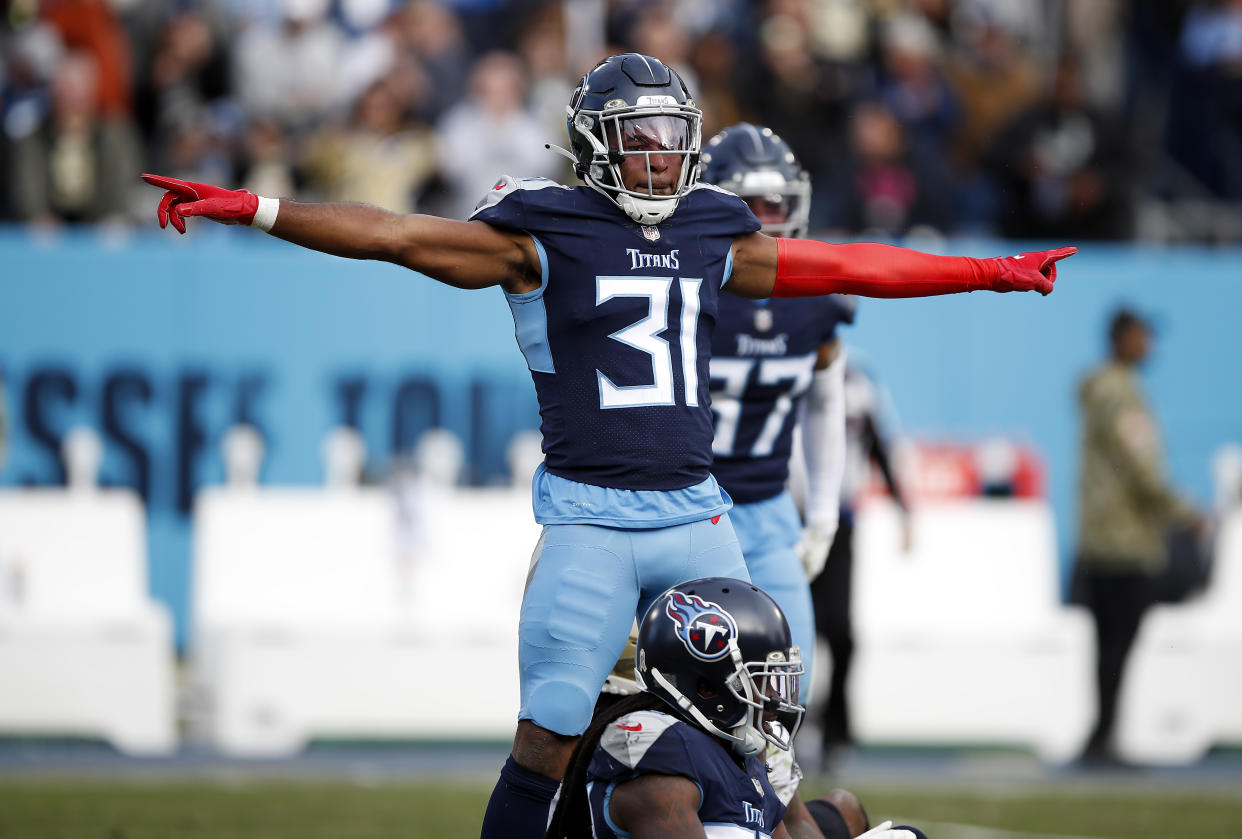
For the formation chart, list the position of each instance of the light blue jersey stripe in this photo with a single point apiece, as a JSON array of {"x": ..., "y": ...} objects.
[
  {"x": 728, "y": 269},
  {"x": 562, "y": 501},
  {"x": 530, "y": 319}
]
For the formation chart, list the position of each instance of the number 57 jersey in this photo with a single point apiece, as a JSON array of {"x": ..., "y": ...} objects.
[{"x": 618, "y": 335}]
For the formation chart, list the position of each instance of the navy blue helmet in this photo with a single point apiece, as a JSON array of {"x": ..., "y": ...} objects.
[
  {"x": 718, "y": 650},
  {"x": 754, "y": 163},
  {"x": 635, "y": 105}
]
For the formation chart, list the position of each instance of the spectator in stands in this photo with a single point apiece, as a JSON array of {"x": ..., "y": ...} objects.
[
  {"x": 1061, "y": 166},
  {"x": 1205, "y": 118},
  {"x": 187, "y": 73},
  {"x": 1125, "y": 507},
  {"x": 864, "y": 444},
  {"x": 715, "y": 61},
  {"x": 378, "y": 157},
  {"x": 267, "y": 158},
  {"x": 913, "y": 86},
  {"x": 801, "y": 97},
  {"x": 491, "y": 131},
  {"x": 434, "y": 35},
  {"x": 885, "y": 187},
  {"x": 995, "y": 78},
  {"x": 286, "y": 72},
  {"x": 78, "y": 164},
  {"x": 92, "y": 27},
  {"x": 543, "y": 47}
]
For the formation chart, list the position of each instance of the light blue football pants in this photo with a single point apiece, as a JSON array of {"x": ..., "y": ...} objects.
[
  {"x": 768, "y": 531},
  {"x": 586, "y": 586}
]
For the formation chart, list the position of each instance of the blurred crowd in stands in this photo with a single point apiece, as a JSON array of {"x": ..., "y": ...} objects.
[{"x": 1061, "y": 119}]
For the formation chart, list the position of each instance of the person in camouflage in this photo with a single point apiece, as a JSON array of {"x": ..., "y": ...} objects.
[{"x": 1125, "y": 508}]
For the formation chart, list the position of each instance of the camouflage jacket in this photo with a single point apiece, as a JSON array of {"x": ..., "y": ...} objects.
[{"x": 1125, "y": 505}]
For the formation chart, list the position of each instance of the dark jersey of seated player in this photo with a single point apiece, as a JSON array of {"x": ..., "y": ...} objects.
[
  {"x": 763, "y": 361},
  {"x": 736, "y": 798},
  {"x": 618, "y": 336}
]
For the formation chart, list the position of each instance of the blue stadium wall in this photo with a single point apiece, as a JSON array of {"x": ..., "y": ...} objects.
[{"x": 162, "y": 343}]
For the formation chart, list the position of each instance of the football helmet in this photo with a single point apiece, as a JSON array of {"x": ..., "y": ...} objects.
[
  {"x": 718, "y": 650},
  {"x": 629, "y": 106},
  {"x": 755, "y": 164}
]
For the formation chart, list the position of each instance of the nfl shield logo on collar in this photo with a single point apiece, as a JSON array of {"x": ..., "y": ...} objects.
[
  {"x": 763, "y": 319},
  {"x": 651, "y": 233}
]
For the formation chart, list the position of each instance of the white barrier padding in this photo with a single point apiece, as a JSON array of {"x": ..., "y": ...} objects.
[
  {"x": 963, "y": 640},
  {"x": 84, "y": 650},
  {"x": 1182, "y": 691},
  {"x": 314, "y": 618}
]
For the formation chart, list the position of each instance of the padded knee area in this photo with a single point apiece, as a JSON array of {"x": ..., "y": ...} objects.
[{"x": 560, "y": 707}]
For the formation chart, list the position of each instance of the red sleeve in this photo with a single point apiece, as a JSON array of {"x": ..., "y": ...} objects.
[{"x": 807, "y": 268}]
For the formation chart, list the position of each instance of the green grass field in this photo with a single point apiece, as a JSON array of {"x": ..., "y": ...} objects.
[{"x": 247, "y": 809}]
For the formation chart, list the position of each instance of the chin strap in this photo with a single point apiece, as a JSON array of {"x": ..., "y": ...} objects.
[
  {"x": 645, "y": 210},
  {"x": 751, "y": 741}
]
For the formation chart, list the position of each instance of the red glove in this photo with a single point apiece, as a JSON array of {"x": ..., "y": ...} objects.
[
  {"x": 1034, "y": 271},
  {"x": 806, "y": 268},
  {"x": 227, "y": 206}
]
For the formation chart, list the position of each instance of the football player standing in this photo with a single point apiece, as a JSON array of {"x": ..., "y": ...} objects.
[{"x": 614, "y": 288}]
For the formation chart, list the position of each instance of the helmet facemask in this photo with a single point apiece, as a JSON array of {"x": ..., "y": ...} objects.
[
  {"x": 656, "y": 127},
  {"x": 757, "y": 694},
  {"x": 769, "y": 689},
  {"x": 782, "y": 206}
]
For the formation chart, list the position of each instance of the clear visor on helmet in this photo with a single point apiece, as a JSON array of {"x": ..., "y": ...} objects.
[
  {"x": 664, "y": 143},
  {"x": 771, "y": 692},
  {"x": 781, "y": 206},
  {"x": 652, "y": 133}
]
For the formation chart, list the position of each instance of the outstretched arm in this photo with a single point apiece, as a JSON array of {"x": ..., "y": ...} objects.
[
  {"x": 768, "y": 267},
  {"x": 658, "y": 807},
  {"x": 462, "y": 254}
]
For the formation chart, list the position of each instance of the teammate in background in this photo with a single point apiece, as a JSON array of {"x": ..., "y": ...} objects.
[
  {"x": 831, "y": 590},
  {"x": 614, "y": 288},
  {"x": 719, "y": 677},
  {"x": 770, "y": 358}
]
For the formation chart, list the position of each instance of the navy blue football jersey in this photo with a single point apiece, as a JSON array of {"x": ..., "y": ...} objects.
[
  {"x": 618, "y": 336},
  {"x": 736, "y": 798},
  {"x": 763, "y": 361}
]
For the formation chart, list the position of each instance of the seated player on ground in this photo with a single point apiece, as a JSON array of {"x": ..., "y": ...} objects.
[{"x": 718, "y": 684}]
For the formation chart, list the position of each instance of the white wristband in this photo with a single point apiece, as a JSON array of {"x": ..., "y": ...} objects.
[{"x": 265, "y": 216}]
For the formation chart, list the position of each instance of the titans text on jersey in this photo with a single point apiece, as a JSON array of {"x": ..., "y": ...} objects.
[{"x": 736, "y": 798}]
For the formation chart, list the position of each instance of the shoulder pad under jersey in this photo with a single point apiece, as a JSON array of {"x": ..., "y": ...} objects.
[
  {"x": 507, "y": 185},
  {"x": 629, "y": 738}
]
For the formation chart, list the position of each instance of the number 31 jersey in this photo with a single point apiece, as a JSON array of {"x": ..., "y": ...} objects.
[{"x": 618, "y": 335}]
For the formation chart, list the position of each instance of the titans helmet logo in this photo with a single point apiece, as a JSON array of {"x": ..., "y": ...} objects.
[{"x": 704, "y": 628}]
